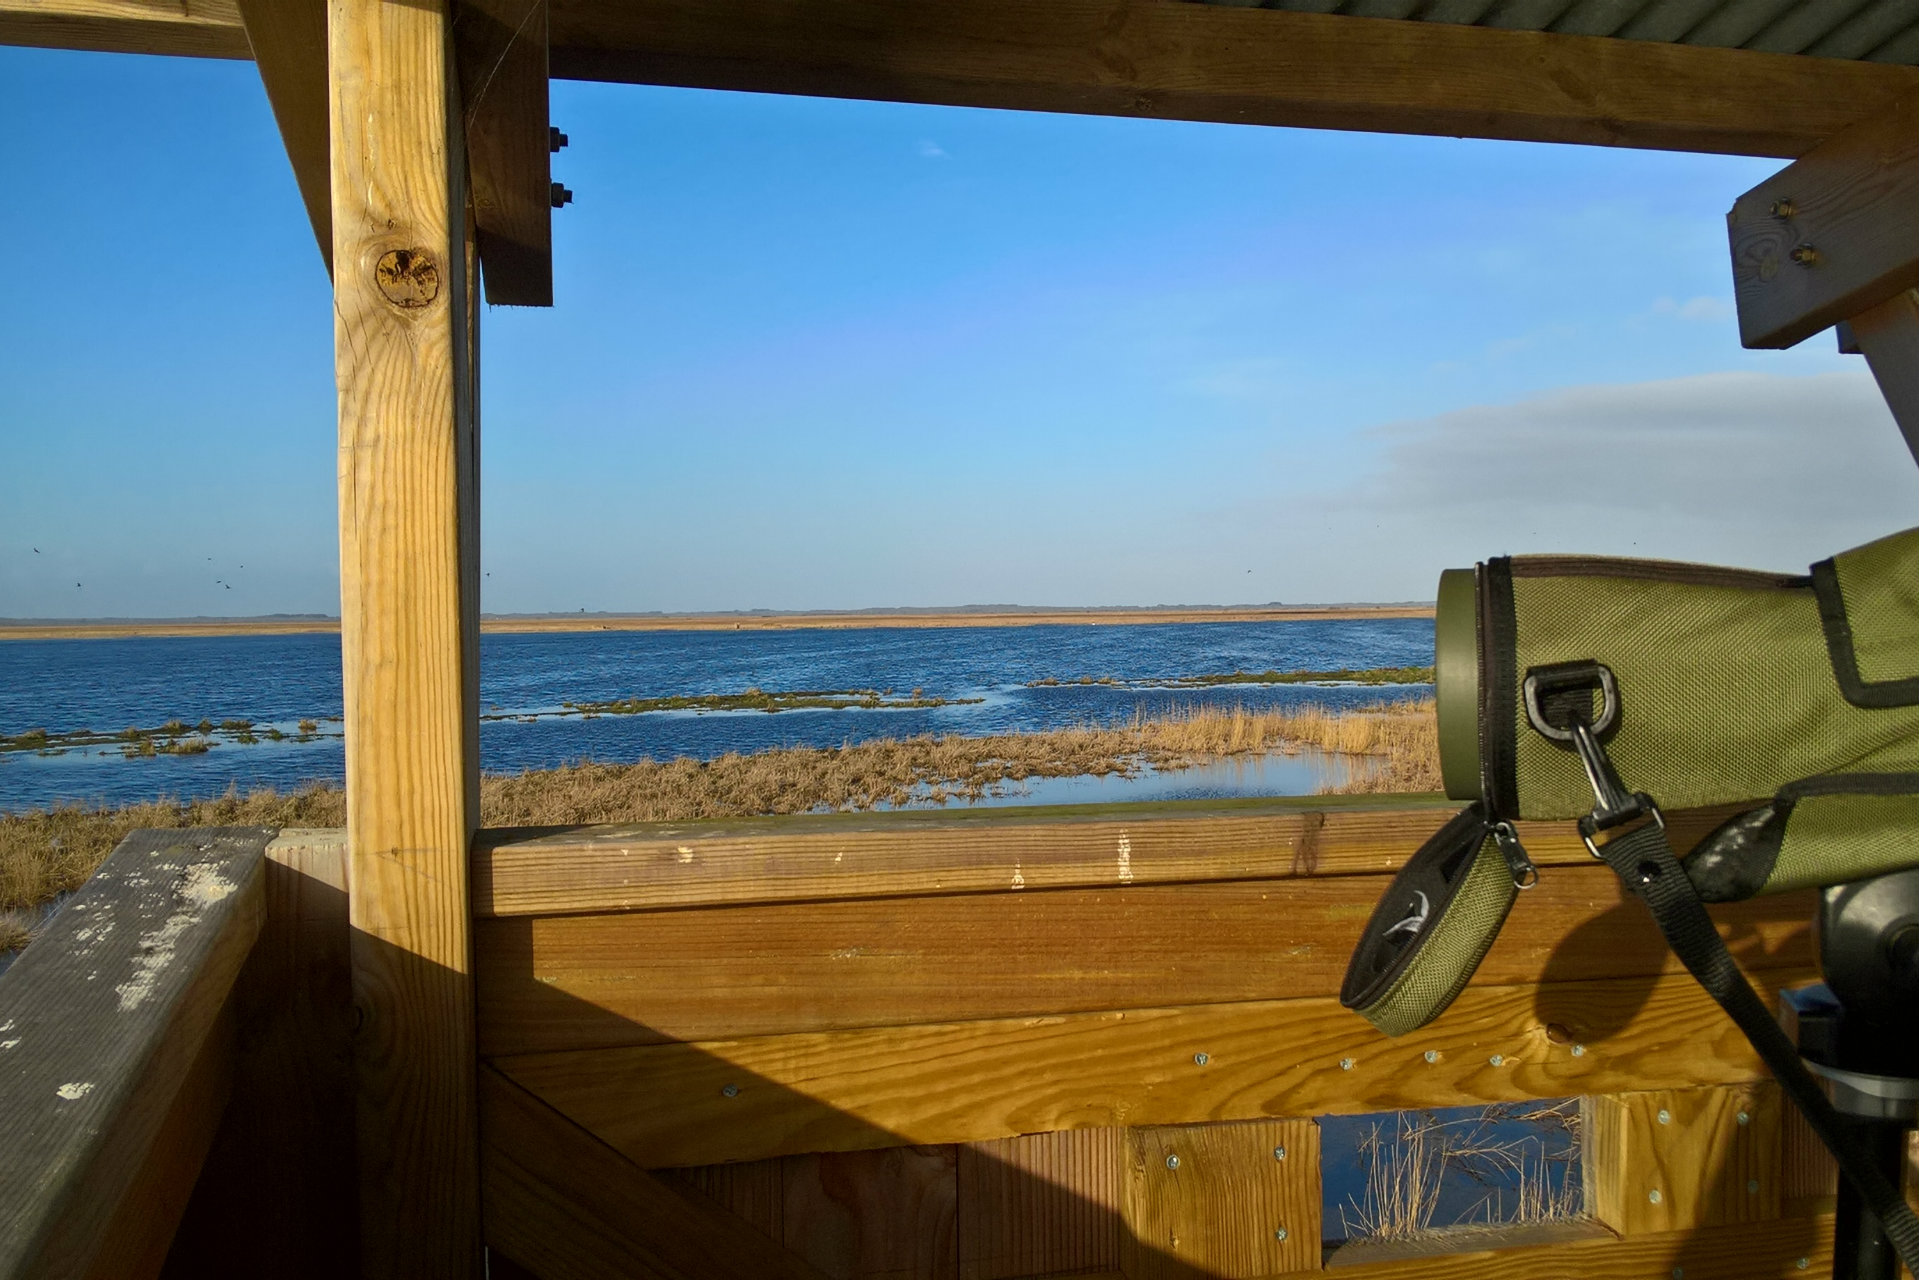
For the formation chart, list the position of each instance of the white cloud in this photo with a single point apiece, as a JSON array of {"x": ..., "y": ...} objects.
[
  {"x": 1700, "y": 308},
  {"x": 930, "y": 149},
  {"x": 1730, "y": 468}
]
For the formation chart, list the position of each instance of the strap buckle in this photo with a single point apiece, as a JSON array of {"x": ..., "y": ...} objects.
[{"x": 1553, "y": 714}]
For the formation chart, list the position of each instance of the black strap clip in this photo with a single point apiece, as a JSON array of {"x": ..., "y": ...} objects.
[{"x": 1559, "y": 705}]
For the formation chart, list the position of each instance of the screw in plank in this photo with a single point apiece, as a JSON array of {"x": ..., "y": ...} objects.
[
  {"x": 1743, "y": 1118},
  {"x": 1752, "y": 1187},
  {"x": 1200, "y": 1059},
  {"x": 1654, "y": 1195},
  {"x": 1345, "y": 1064},
  {"x": 1805, "y": 255},
  {"x": 1280, "y": 1234},
  {"x": 730, "y": 1091},
  {"x": 1665, "y": 1116},
  {"x": 1802, "y": 1263},
  {"x": 1172, "y": 1162},
  {"x": 1497, "y": 1060},
  {"x": 1678, "y": 1273},
  {"x": 1432, "y": 1055},
  {"x": 555, "y": 139},
  {"x": 1279, "y": 1153},
  {"x": 1579, "y": 1051}
]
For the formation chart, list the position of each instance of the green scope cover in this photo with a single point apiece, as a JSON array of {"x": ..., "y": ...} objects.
[{"x": 1795, "y": 697}]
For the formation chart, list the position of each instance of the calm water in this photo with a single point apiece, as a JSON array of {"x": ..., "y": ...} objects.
[{"x": 277, "y": 681}]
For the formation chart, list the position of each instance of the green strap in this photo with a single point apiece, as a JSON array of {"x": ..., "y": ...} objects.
[{"x": 1645, "y": 864}]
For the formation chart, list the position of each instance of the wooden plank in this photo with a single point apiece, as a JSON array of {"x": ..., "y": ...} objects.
[
  {"x": 1888, "y": 336},
  {"x": 818, "y": 857},
  {"x": 1807, "y": 1170},
  {"x": 403, "y": 363},
  {"x": 501, "y": 45},
  {"x": 280, "y": 1180},
  {"x": 1675, "y": 1160},
  {"x": 183, "y": 28},
  {"x": 1832, "y": 234},
  {"x": 706, "y": 1102},
  {"x": 565, "y": 1206},
  {"x": 1213, "y": 1200},
  {"x": 1783, "y": 1249},
  {"x": 102, "y": 1021},
  {"x": 875, "y": 1215},
  {"x": 1041, "y": 1203},
  {"x": 753, "y": 1191},
  {"x": 574, "y": 982},
  {"x": 288, "y": 42}
]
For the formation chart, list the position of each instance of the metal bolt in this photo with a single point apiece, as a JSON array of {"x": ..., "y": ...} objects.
[
  {"x": 1172, "y": 1162},
  {"x": 1279, "y": 1153},
  {"x": 1654, "y": 1195},
  {"x": 1752, "y": 1187},
  {"x": 1579, "y": 1051},
  {"x": 1200, "y": 1059},
  {"x": 1805, "y": 255},
  {"x": 1665, "y": 1116},
  {"x": 1744, "y": 1118},
  {"x": 1280, "y": 1234},
  {"x": 731, "y": 1091},
  {"x": 1432, "y": 1055},
  {"x": 1345, "y": 1064},
  {"x": 555, "y": 139},
  {"x": 561, "y": 196},
  {"x": 1498, "y": 1060},
  {"x": 1802, "y": 1263},
  {"x": 1783, "y": 208}
]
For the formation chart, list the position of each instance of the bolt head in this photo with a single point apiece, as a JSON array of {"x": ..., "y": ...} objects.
[
  {"x": 1783, "y": 208},
  {"x": 561, "y": 196},
  {"x": 1172, "y": 1162},
  {"x": 1805, "y": 255},
  {"x": 1200, "y": 1059}
]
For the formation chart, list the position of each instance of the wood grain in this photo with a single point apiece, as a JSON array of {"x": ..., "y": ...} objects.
[
  {"x": 1852, "y": 203},
  {"x": 288, "y": 41},
  {"x": 874, "y": 1215},
  {"x": 753, "y": 1191},
  {"x": 102, "y": 1022},
  {"x": 564, "y": 1206},
  {"x": 406, "y": 396},
  {"x": 501, "y": 46},
  {"x": 1807, "y": 1170},
  {"x": 829, "y": 856},
  {"x": 182, "y": 28},
  {"x": 1888, "y": 336},
  {"x": 1039, "y": 1204},
  {"x": 281, "y": 1179},
  {"x": 1674, "y": 1160},
  {"x": 1782, "y": 1249},
  {"x": 1234, "y": 65},
  {"x": 572, "y": 982},
  {"x": 702, "y": 1103},
  {"x": 1213, "y": 1200}
]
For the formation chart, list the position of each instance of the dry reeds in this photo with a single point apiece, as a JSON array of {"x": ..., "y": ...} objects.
[{"x": 44, "y": 853}]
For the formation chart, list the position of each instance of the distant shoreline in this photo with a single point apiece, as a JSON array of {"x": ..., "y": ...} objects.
[{"x": 119, "y": 628}]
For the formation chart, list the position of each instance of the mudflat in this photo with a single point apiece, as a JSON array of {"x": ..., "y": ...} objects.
[{"x": 83, "y": 629}]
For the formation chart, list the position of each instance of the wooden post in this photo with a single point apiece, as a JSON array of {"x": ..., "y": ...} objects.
[{"x": 403, "y": 354}]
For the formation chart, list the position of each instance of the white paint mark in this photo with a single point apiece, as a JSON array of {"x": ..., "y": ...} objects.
[
  {"x": 686, "y": 854},
  {"x": 199, "y": 889},
  {"x": 75, "y": 1091},
  {"x": 1125, "y": 860},
  {"x": 849, "y": 953},
  {"x": 1019, "y": 877},
  {"x": 839, "y": 857},
  {"x": 8, "y": 1044}
]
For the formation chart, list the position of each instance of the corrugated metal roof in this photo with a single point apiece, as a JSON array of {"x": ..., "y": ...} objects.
[{"x": 1863, "y": 30}]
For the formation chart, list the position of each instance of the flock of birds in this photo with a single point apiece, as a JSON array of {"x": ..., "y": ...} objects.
[{"x": 216, "y": 582}]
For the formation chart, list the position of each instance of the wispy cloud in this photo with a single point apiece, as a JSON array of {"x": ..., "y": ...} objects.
[
  {"x": 930, "y": 149},
  {"x": 1700, "y": 308}
]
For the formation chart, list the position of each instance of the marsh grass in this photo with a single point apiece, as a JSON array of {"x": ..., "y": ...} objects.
[{"x": 46, "y": 852}]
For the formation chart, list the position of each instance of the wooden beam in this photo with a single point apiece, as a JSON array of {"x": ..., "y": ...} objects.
[
  {"x": 288, "y": 40},
  {"x": 1888, "y": 336},
  {"x": 113, "y": 1053},
  {"x": 1680, "y": 1159},
  {"x": 1168, "y": 60},
  {"x": 567, "y": 1207},
  {"x": 747, "y": 1099},
  {"x": 819, "y": 857},
  {"x": 403, "y": 360},
  {"x": 1040, "y": 1204},
  {"x": 1832, "y": 234},
  {"x": 183, "y": 28},
  {"x": 571, "y": 982},
  {"x": 1783, "y": 1249},
  {"x": 1212, "y": 1200},
  {"x": 503, "y": 92}
]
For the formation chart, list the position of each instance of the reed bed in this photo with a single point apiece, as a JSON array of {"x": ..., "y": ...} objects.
[{"x": 1392, "y": 747}]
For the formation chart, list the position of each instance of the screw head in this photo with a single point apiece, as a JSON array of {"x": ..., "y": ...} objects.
[
  {"x": 1432, "y": 1055},
  {"x": 1497, "y": 1060},
  {"x": 1279, "y": 1234},
  {"x": 1665, "y": 1116},
  {"x": 1802, "y": 1263},
  {"x": 1654, "y": 1195},
  {"x": 1172, "y": 1162},
  {"x": 1200, "y": 1059},
  {"x": 1752, "y": 1187},
  {"x": 1805, "y": 255},
  {"x": 1279, "y": 1153},
  {"x": 1345, "y": 1064},
  {"x": 1678, "y": 1273},
  {"x": 1783, "y": 208},
  {"x": 1579, "y": 1051},
  {"x": 1743, "y": 1118},
  {"x": 730, "y": 1091}
]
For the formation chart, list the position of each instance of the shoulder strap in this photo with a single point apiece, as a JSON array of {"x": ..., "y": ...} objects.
[{"x": 1644, "y": 862}]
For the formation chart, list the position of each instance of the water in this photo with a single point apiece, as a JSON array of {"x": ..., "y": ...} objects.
[{"x": 277, "y": 681}]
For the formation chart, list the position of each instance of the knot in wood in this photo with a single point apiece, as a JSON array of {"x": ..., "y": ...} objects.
[{"x": 407, "y": 277}]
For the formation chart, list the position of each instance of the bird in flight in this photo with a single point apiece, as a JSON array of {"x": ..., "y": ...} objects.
[{"x": 36, "y": 551}]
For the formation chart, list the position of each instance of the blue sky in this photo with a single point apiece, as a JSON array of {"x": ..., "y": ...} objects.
[{"x": 814, "y": 354}]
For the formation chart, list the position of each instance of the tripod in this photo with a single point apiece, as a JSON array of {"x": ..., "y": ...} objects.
[{"x": 1859, "y": 1033}]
